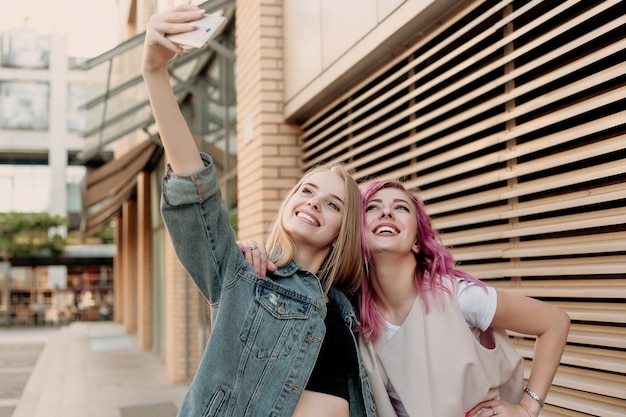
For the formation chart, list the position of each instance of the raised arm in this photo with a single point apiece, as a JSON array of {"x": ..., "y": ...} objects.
[
  {"x": 191, "y": 204},
  {"x": 180, "y": 147}
]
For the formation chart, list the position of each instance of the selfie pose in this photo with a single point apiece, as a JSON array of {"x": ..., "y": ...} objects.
[
  {"x": 281, "y": 344},
  {"x": 433, "y": 337}
]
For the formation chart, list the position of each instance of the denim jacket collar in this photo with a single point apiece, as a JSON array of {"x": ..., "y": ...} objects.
[
  {"x": 343, "y": 303},
  {"x": 288, "y": 269}
]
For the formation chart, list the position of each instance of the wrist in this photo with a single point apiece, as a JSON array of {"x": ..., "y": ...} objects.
[
  {"x": 528, "y": 409},
  {"x": 532, "y": 394}
]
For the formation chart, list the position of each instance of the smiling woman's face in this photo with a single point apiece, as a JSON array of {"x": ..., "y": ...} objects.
[
  {"x": 313, "y": 214},
  {"x": 391, "y": 222}
]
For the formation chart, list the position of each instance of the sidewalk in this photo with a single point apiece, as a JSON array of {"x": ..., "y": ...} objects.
[{"x": 86, "y": 369}]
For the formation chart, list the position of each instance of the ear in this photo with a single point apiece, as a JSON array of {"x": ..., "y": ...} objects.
[{"x": 415, "y": 248}]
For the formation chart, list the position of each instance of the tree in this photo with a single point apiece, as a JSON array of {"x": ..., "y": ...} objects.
[{"x": 23, "y": 234}]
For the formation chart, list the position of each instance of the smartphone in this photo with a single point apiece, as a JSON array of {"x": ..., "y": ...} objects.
[{"x": 206, "y": 29}]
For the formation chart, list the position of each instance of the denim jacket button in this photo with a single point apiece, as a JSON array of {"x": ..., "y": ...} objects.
[{"x": 281, "y": 309}]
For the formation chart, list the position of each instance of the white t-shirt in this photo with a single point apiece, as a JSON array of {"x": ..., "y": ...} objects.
[{"x": 478, "y": 307}]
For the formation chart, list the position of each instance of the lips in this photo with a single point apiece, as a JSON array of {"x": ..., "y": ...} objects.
[{"x": 307, "y": 218}]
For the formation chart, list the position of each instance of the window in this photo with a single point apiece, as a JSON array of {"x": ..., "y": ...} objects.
[
  {"x": 25, "y": 48},
  {"x": 24, "y": 105}
]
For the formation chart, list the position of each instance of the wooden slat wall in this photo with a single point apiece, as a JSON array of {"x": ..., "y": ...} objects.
[{"x": 510, "y": 120}]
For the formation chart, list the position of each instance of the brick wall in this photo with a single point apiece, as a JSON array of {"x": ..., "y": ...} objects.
[{"x": 268, "y": 149}]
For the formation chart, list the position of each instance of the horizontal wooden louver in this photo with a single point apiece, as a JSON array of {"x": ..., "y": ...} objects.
[{"x": 510, "y": 119}]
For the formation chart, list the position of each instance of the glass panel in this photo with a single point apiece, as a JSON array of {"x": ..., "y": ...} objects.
[
  {"x": 129, "y": 110},
  {"x": 184, "y": 70},
  {"x": 74, "y": 177},
  {"x": 117, "y": 103},
  {"x": 97, "y": 80},
  {"x": 126, "y": 67}
]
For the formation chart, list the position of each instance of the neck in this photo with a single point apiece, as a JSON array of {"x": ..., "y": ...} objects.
[
  {"x": 310, "y": 258},
  {"x": 392, "y": 279}
]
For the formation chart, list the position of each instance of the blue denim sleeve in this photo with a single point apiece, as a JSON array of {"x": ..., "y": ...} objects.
[{"x": 199, "y": 227}]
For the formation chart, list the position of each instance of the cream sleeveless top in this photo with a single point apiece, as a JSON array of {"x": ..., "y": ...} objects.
[{"x": 437, "y": 366}]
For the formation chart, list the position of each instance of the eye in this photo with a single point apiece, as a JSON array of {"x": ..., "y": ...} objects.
[
  {"x": 402, "y": 207},
  {"x": 307, "y": 191},
  {"x": 334, "y": 206},
  {"x": 371, "y": 207}
]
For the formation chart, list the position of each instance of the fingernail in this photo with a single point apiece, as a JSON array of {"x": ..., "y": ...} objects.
[
  {"x": 243, "y": 249},
  {"x": 467, "y": 414}
]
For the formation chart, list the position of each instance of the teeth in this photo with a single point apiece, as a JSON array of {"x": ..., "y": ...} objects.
[
  {"x": 306, "y": 217},
  {"x": 385, "y": 229}
]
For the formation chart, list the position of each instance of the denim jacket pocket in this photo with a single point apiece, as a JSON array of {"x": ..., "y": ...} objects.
[
  {"x": 216, "y": 402},
  {"x": 273, "y": 323}
]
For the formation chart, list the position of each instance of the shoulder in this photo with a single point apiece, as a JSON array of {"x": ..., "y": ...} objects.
[
  {"x": 477, "y": 304},
  {"x": 343, "y": 303}
]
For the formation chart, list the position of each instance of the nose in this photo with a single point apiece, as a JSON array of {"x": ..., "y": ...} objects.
[
  {"x": 313, "y": 203},
  {"x": 385, "y": 213}
]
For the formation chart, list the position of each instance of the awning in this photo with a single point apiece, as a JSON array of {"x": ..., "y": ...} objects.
[{"x": 108, "y": 187}]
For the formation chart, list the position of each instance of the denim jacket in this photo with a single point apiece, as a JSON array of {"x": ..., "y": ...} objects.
[{"x": 266, "y": 332}]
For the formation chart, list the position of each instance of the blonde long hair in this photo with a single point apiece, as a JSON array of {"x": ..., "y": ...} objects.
[{"x": 343, "y": 265}]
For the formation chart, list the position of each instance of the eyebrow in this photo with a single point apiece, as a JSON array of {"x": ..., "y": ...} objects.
[
  {"x": 310, "y": 184},
  {"x": 395, "y": 200}
]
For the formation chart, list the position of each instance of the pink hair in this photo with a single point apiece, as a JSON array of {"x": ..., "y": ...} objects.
[{"x": 435, "y": 264}]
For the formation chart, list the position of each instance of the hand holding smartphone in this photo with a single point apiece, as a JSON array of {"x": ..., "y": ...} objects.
[{"x": 206, "y": 29}]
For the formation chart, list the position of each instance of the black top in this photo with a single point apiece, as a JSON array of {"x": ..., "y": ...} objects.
[{"x": 337, "y": 358}]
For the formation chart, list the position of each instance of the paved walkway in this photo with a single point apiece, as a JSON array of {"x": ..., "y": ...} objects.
[{"x": 86, "y": 369}]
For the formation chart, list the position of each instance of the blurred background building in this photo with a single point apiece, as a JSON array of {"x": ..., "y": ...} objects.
[
  {"x": 41, "y": 120},
  {"x": 508, "y": 116}
]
